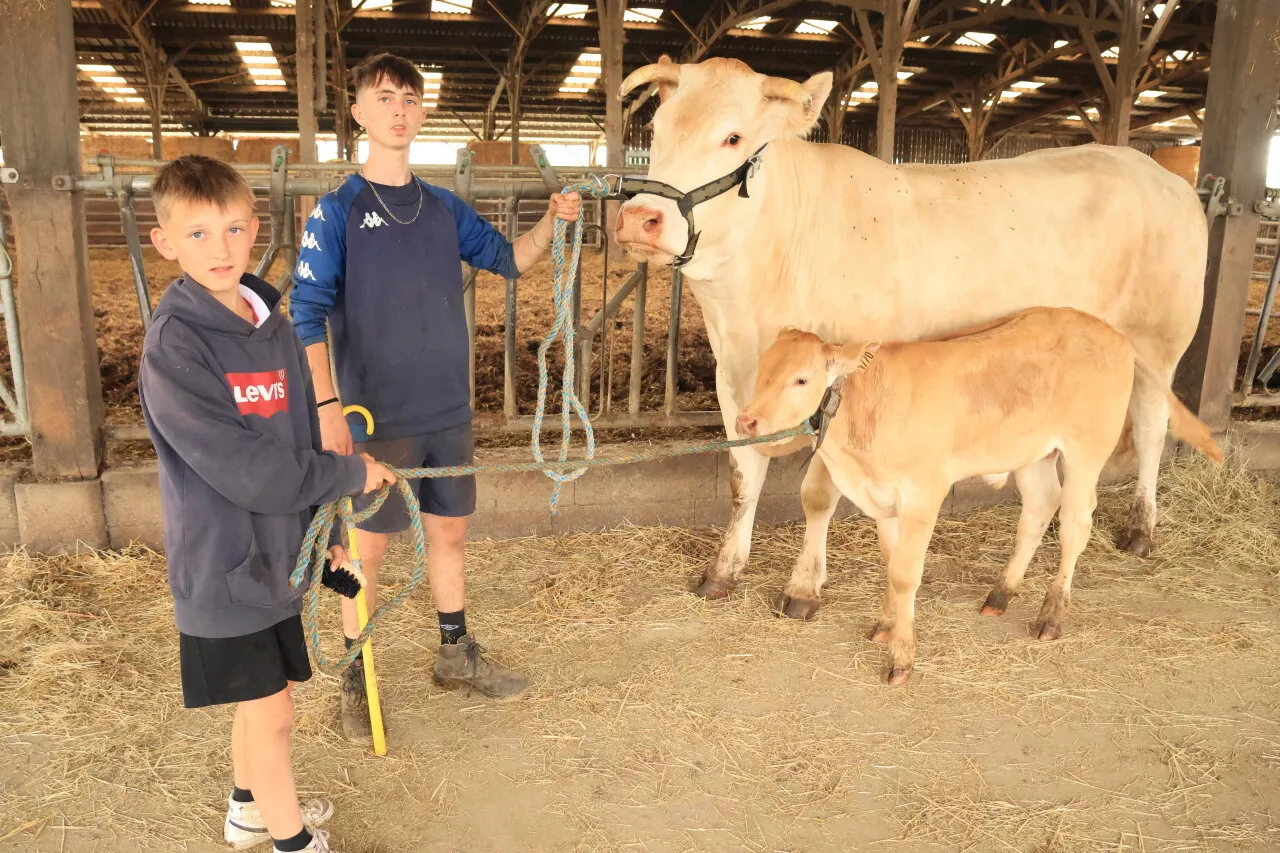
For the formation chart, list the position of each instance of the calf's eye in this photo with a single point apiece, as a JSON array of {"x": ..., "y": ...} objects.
[
  {"x": 802, "y": 381},
  {"x": 733, "y": 140}
]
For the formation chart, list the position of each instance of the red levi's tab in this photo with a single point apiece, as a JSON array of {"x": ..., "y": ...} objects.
[{"x": 264, "y": 393}]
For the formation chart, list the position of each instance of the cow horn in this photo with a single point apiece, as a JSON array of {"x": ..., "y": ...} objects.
[
  {"x": 787, "y": 90},
  {"x": 663, "y": 72}
]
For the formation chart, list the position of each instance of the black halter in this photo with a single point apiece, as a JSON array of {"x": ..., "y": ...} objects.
[
  {"x": 821, "y": 419},
  {"x": 685, "y": 202}
]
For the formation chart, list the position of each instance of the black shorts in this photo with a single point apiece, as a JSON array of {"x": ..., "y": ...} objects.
[
  {"x": 226, "y": 670},
  {"x": 450, "y": 497}
]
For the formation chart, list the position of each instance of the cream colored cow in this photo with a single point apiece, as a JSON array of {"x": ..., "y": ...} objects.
[
  {"x": 831, "y": 240},
  {"x": 1013, "y": 396}
]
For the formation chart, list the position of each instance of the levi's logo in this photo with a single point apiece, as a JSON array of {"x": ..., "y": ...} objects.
[{"x": 264, "y": 393}]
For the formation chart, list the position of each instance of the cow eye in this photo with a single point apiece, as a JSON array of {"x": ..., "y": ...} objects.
[{"x": 733, "y": 140}]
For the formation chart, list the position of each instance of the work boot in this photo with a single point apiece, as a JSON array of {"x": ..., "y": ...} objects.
[
  {"x": 355, "y": 705},
  {"x": 464, "y": 663}
]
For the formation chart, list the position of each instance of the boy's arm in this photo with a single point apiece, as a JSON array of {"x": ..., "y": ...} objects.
[
  {"x": 317, "y": 280},
  {"x": 192, "y": 409},
  {"x": 484, "y": 247}
]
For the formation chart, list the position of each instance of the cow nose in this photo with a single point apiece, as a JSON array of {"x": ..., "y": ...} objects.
[
  {"x": 643, "y": 223},
  {"x": 747, "y": 425}
]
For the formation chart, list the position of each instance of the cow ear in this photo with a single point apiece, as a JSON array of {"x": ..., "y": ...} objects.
[
  {"x": 665, "y": 90},
  {"x": 848, "y": 358},
  {"x": 818, "y": 88},
  {"x": 816, "y": 91}
]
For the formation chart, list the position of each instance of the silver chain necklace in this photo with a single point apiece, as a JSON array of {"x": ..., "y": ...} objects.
[{"x": 387, "y": 209}]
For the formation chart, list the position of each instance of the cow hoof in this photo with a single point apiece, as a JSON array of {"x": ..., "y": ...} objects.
[
  {"x": 1136, "y": 542},
  {"x": 803, "y": 609},
  {"x": 713, "y": 589},
  {"x": 878, "y": 634},
  {"x": 1047, "y": 630},
  {"x": 996, "y": 604},
  {"x": 897, "y": 676}
]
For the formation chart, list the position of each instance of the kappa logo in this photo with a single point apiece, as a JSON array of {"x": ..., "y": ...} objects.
[
  {"x": 372, "y": 220},
  {"x": 317, "y": 213},
  {"x": 309, "y": 241},
  {"x": 304, "y": 270},
  {"x": 263, "y": 393}
]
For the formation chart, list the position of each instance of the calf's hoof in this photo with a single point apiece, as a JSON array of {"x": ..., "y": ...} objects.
[
  {"x": 1136, "y": 542},
  {"x": 996, "y": 604},
  {"x": 897, "y": 675},
  {"x": 713, "y": 589},
  {"x": 803, "y": 609},
  {"x": 1047, "y": 630}
]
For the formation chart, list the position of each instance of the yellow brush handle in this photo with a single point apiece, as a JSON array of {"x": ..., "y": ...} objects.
[{"x": 362, "y": 616}]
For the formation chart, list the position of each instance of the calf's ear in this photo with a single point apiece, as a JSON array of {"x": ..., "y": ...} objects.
[{"x": 843, "y": 359}]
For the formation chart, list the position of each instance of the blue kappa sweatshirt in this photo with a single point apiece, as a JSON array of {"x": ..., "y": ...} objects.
[
  {"x": 232, "y": 413},
  {"x": 392, "y": 294}
]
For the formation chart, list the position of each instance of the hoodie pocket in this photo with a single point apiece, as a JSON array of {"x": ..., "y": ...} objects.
[{"x": 256, "y": 581}]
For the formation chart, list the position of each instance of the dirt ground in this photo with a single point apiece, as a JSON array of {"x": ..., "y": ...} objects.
[{"x": 659, "y": 722}]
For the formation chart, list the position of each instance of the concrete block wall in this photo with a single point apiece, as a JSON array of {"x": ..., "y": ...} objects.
[{"x": 123, "y": 506}]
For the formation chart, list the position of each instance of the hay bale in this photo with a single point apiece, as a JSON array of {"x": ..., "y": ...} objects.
[
  {"x": 1182, "y": 160},
  {"x": 259, "y": 150},
  {"x": 133, "y": 147},
  {"x": 210, "y": 146},
  {"x": 497, "y": 153}
]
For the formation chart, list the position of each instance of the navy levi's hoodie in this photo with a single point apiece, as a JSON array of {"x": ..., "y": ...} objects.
[{"x": 232, "y": 413}]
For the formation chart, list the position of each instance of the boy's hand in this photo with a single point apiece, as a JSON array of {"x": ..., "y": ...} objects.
[
  {"x": 335, "y": 435},
  {"x": 376, "y": 475},
  {"x": 566, "y": 206}
]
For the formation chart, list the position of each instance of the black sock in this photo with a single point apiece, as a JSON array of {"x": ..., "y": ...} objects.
[
  {"x": 453, "y": 626},
  {"x": 240, "y": 795},
  {"x": 293, "y": 845}
]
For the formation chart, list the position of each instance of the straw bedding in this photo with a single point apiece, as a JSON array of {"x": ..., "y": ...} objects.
[{"x": 656, "y": 721}]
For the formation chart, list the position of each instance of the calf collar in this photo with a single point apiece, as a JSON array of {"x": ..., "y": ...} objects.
[
  {"x": 821, "y": 419},
  {"x": 630, "y": 187}
]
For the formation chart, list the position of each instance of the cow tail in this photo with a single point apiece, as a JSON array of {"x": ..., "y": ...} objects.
[{"x": 1182, "y": 421}]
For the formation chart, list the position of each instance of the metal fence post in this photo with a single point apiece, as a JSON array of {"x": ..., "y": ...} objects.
[
  {"x": 279, "y": 174},
  {"x": 129, "y": 219},
  {"x": 637, "y": 340},
  {"x": 462, "y": 186},
  {"x": 509, "y": 325},
  {"x": 673, "y": 341},
  {"x": 17, "y": 400}
]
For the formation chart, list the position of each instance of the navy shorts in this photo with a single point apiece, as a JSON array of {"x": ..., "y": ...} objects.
[
  {"x": 449, "y": 497},
  {"x": 226, "y": 670}
]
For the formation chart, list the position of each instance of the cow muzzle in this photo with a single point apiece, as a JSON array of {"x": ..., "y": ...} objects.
[
  {"x": 747, "y": 425},
  {"x": 640, "y": 230}
]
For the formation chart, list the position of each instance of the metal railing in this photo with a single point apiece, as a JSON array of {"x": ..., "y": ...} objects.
[
  {"x": 1265, "y": 253},
  {"x": 283, "y": 182},
  {"x": 15, "y": 397}
]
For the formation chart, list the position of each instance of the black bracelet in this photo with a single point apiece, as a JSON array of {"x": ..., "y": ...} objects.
[{"x": 327, "y": 402}]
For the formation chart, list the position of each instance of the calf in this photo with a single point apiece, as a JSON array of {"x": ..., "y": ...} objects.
[{"x": 905, "y": 421}]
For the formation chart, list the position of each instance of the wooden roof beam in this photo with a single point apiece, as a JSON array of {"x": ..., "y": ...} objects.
[{"x": 131, "y": 17}]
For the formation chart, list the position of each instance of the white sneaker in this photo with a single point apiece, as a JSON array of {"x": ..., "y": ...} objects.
[
  {"x": 245, "y": 828},
  {"x": 319, "y": 843}
]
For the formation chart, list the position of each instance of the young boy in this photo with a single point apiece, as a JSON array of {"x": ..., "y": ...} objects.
[
  {"x": 228, "y": 399},
  {"x": 380, "y": 261}
]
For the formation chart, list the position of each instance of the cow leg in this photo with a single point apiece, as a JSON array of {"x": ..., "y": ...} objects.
[
  {"x": 1149, "y": 414},
  {"x": 1041, "y": 493},
  {"x": 801, "y": 597},
  {"x": 896, "y": 626},
  {"x": 887, "y": 536},
  {"x": 747, "y": 470},
  {"x": 1075, "y": 520}
]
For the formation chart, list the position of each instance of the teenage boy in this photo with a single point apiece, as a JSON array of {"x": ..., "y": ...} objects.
[
  {"x": 380, "y": 262},
  {"x": 228, "y": 399}
]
